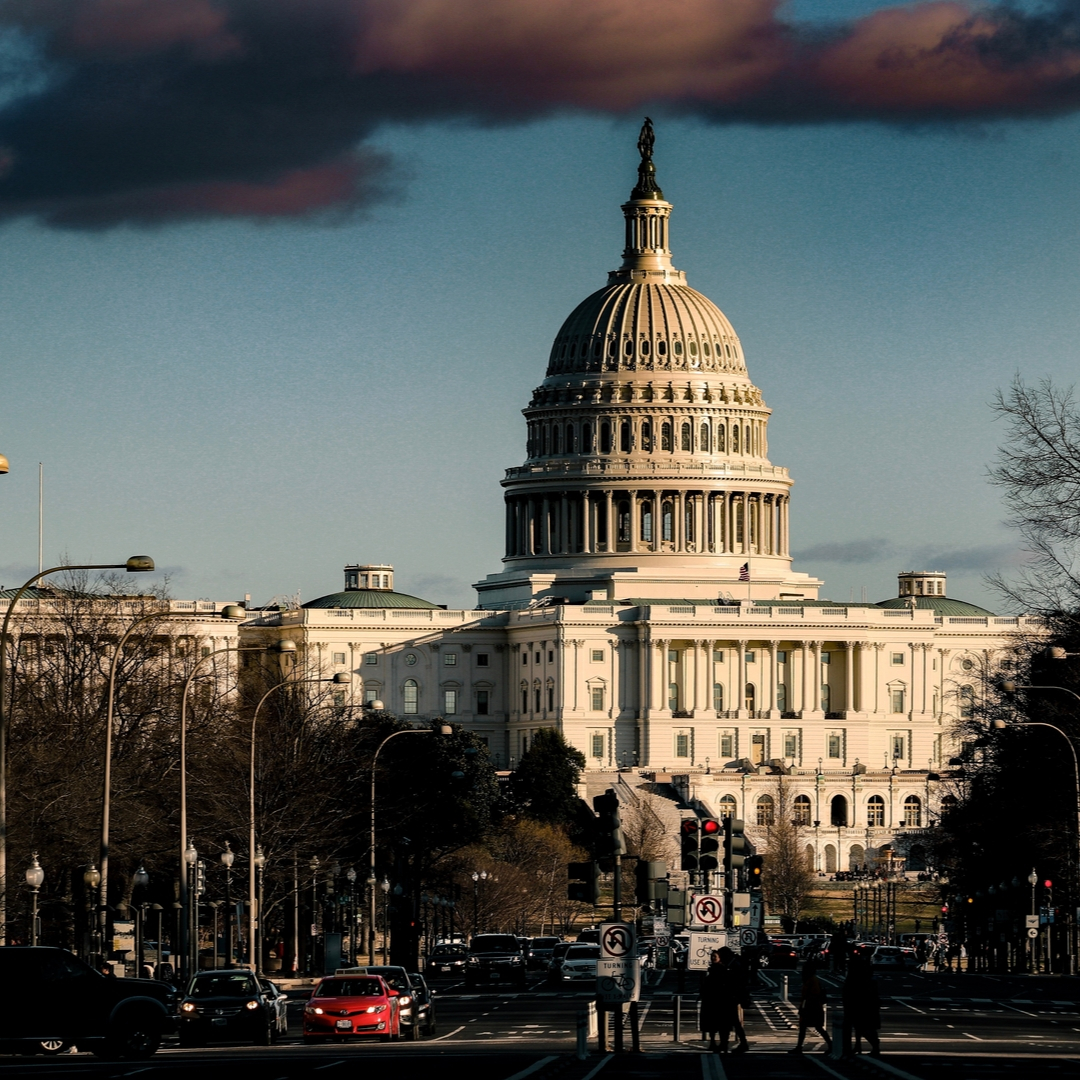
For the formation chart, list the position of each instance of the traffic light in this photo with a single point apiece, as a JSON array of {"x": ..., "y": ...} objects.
[
  {"x": 652, "y": 883},
  {"x": 709, "y": 834},
  {"x": 734, "y": 844},
  {"x": 753, "y": 871},
  {"x": 584, "y": 882},
  {"x": 609, "y": 838},
  {"x": 690, "y": 839}
]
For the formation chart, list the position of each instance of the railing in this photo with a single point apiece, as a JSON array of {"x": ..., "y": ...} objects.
[{"x": 637, "y": 468}]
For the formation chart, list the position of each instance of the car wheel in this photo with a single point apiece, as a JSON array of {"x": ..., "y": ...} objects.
[
  {"x": 265, "y": 1035},
  {"x": 412, "y": 1032},
  {"x": 53, "y": 1046},
  {"x": 133, "y": 1038}
]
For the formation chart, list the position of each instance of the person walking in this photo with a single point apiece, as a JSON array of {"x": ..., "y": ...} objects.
[
  {"x": 724, "y": 993},
  {"x": 811, "y": 1007},
  {"x": 862, "y": 1006}
]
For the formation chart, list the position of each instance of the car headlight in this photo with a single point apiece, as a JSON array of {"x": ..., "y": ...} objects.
[
  {"x": 404, "y": 1000},
  {"x": 474, "y": 959},
  {"x": 251, "y": 1005},
  {"x": 376, "y": 1008},
  {"x": 187, "y": 1007},
  {"x": 515, "y": 959},
  {"x": 314, "y": 1009}
]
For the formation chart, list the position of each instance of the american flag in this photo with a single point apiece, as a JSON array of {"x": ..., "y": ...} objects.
[{"x": 744, "y": 572}]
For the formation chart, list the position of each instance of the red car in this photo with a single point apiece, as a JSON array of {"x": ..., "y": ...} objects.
[{"x": 346, "y": 1005}]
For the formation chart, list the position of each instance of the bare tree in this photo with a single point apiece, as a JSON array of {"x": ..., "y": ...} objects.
[{"x": 787, "y": 878}]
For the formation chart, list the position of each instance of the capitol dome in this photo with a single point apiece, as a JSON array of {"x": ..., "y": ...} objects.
[{"x": 646, "y": 326}]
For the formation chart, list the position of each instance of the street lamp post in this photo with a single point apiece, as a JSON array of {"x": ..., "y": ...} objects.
[
  {"x": 188, "y": 868},
  {"x": 350, "y": 876},
  {"x": 385, "y": 886},
  {"x": 139, "y": 880},
  {"x": 313, "y": 866},
  {"x": 445, "y": 729},
  {"x": 34, "y": 877},
  {"x": 227, "y": 858},
  {"x": 136, "y": 564},
  {"x": 341, "y": 678},
  {"x": 260, "y": 946},
  {"x": 91, "y": 880}
]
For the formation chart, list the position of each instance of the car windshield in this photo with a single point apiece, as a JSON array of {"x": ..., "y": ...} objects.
[
  {"x": 238, "y": 984},
  {"x": 583, "y": 952},
  {"x": 494, "y": 943},
  {"x": 350, "y": 988},
  {"x": 544, "y": 942},
  {"x": 449, "y": 950}
]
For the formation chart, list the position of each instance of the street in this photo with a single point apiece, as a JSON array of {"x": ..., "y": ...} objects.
[{"x": 986, "y": 1026}]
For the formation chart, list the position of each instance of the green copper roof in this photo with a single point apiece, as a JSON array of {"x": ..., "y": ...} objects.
[
  {"x": 942, "y": 605},
  {"x": 369, "y": 598}
]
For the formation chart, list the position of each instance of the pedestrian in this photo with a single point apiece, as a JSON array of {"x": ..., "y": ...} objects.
[
  {"x": 811, "y": 1007},
  {"x": 838, "y": 952},
  {"x": 724, "y": 993},
  {"x": 862, "y": 1006}
]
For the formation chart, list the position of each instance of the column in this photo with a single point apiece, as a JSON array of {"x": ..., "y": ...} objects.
[
  {"x": 740, "y": 688},
  {"x": 657, "y": 499},
  {"x": 774, "y": 679},
  {"x": 510, "y": 527},
  {"x": 635, "y": 524},
  {"x": 680, "y": 521},
  {"x": 586, "y": 531},
  {"x": 879, "y": 648},
  {"x": 658, "y": 666},
  {"x": 849, "y": 676},
  {"x": 544, "y": 539},
  {"x": 805, "y": 700},
  {"x": 816, "y": 646},
  {"x": 608, "y": 506},
  {"x": 564, "y": 525},
  {"x": 916, "y": 680}
]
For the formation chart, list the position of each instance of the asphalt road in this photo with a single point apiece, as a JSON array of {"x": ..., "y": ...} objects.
[{"x": 980, "y": 1026}]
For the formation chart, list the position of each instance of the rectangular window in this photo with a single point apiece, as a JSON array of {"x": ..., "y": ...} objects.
[
  {"x": 791, "y": 744},
  {"x": 204, "y": 651},
  {"x": 781, "y": 656},
  {"x": 339, "y": 698},
  {"x": 339, "y": 658},
  {"x": 538, "y": 658},
  {"x": 835, "y": 747},
  {"x": 597, "y": 656},
  {"x": 482, "y": 702},
  {"x": 896, "y": 701},
  {"x": 899, "y": 746},
  {"x": 727, "y": 744},
  {"x": 371, "y": 658},
  {"x": 524, "y": 657},
  {"x": 826, "y": 658},
  {"x": 757, "y": 748},
  {"x": 718, "y": 697},
  {"x": 449, "y": 702},
  {"x": 483, "y": 659},
  {"x": 718, "y": 656},
  {"x": 449, "y": 659},
  {"x": 524, "y": 700},
  {"x": 536, "y": 699},
  {"x": 682, "y": 745},
  {"x": 551, "y": 698},
  {"x": 370, "y": 696},
  {"x": 898, "y": 658},
  {"x": 598, "y": 746},
  {"x": 597, "y": 695},
  {"x": 551, "y": 656},
  {"x": 751, "y": 656},
  {"x": 410, "y": 696}
]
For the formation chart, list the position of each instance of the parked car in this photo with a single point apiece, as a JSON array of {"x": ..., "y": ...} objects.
[
  {"x": 425, "y": 1003},
  {"x": 55, "y": 1001},
  {"x": 231, "y": 1005},
  {"x": 348, "y": 1005},
  {"x": 579, "y": 963},
  {"x": 397, "y": 978},
  {"x": 495, "y": 958},
  {"x": 446, "y": 961},
  {"x": 540, "y": 950}
]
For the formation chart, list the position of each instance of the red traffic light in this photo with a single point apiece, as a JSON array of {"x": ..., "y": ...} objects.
[
  {"x": 689, "y": 826},
  {"x": 710, "y": 827},
  {"x": 1048, "y": 884}
]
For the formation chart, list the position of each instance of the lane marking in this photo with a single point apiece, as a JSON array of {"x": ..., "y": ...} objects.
[
  {"x": 449, "y": 1033},
  {"x": 711, "y": 1068},
  {"x": 878, "y": 1063},
  {"x": 534, "y": 1067},
  {"x": 907, "y": 1004},
  {"x": 970, "y": 1036},
  {"x": 1015, "y": 1009},
  {"x": 821, "y": 1065},
  {"x": 603, "y": 1061}
]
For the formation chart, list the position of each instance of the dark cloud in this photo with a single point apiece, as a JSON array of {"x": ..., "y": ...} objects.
[
  {"x": 985, "y": 559},
  {"x": 851, "y": 551},
  {"x": 156, "y": 110}
]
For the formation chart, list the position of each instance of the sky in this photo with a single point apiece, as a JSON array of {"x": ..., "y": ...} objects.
[{"x": 261, "y": 334}]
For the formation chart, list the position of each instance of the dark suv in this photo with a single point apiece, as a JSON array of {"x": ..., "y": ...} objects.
[
  {"x": 495, "y": 958},
  {"x": 53, "y": 998}
]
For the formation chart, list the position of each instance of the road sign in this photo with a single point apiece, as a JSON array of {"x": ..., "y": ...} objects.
[
  {"x": 617, "y": 940},
  {"x": 748, "y": 935},
  {"x": 1031, "y": 920},
  {"x": 1033, "y": 931},
  {"x": 702, "y": 947},
  {"x": 618, "y": 980},
  {"x": 707, "y": 911}
]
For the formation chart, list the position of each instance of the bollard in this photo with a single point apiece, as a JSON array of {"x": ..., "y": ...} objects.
[
  {"x": 784, "y": 990},
  {"x": 582, "y": 1036},
  {"x": 839, "y": 1041},
  {"x": 678, "y": 1016}
]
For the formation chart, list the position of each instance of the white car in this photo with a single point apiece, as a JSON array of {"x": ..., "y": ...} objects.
[{"x": 579, "y": 964}]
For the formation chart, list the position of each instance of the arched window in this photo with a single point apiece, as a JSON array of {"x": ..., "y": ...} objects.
[
  {"x": 781, "y": 697},
  {"x": 826, "y": 697},
  {"x": 661, "y": 348},
  {"x": 734, "y": 438},
  {"x": 704, "y": 438},
  {"x": 556, "y": 439},
  {"x": 667, "y": 522},
  {"x": 605, "y": 438},
  {"x": 573, "y": 349},
  {"x": 623, "y": 522},
  {"x": 646, "y": 522},
  {"x": 693, "y": 348},
  {"x": 800, "y": 810},
  {"x": 586, "y": 438},
  {"x": 613, "y": 347},
  {"x": 524, "y": 695},
  {"x": 646, "y": 435},
  {"x": 665, "y": 436},
  {"x": 678, "y": 348},
  {"x": 838, "y": 811},
  {"x": 856, "y": 857},
  {"x": 645, "y": 348},
  {"x": 410, "y": 694},
  {"x": 727, "y": 807},
  {"x": 628, "y": 348},
  {"x": 721, "y": 443},
  {"x": 547, "y": 439},
  {"x": 766, "y": 810},
  {"x": 689, "y": 523},
  {"x": 673, "y": 696},
  {"x": 875, "y": 811},
  {"x": 571, "y": 438},
  {"x": 751, "y": 696},
  {"x": 705, "y": 348},
  {"x": 687, "y": 437},
  {"x": 718, "y": 696},
  {"x": 913, "y": 812},
  {"x": 624, "y": 436},
  {"x": 966, "y": 698}
]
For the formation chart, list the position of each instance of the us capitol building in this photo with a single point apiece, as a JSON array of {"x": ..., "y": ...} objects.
[{"x": 648, "y": 608}]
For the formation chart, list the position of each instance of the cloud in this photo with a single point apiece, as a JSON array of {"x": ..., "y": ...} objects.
[
  {"x": 984, "y": 559},
  {"x": 148, "y": 111},
  {"x": 851, "y": 551}
]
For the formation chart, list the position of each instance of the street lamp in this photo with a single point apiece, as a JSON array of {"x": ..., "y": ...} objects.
[
  {"x": 139, "y": 880},
  {"x": 260, "y": 866},
  {"x": 34, "y": 877},
  {"x": 341, "y": 678},
  {"x": 385, "y": 886},
  {"x": 350, "y": 877},
  {"x": 137, "y": 564},
  {"x": 227, "y": 858},
  {"x": 313, "y": 866},
  {"x": 188, "y": 868},
  {"x": 444, "y": 729},
  {"x": 91, "y": 880}
]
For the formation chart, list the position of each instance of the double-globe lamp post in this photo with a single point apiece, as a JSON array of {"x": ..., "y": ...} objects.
[
  {"x": 137, "y": 564},
  {"x": 34, "y": 878},
  {"x": 444, "y": 729}
]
